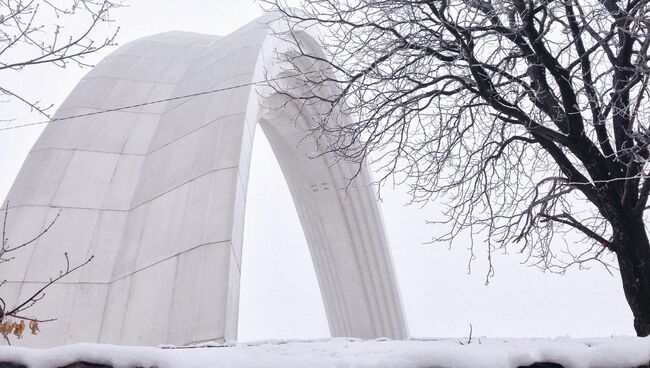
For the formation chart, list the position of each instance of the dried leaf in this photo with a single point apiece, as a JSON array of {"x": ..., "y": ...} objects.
[
  {"x": 33, "y": 325},
  {"x": 19, "y": 328},
  {"x": 6, "y": 327}
]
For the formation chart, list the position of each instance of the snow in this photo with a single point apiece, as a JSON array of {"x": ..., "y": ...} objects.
[{"x": 624, "y": 352}]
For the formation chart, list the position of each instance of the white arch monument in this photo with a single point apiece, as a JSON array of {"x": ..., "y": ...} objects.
[{"x": 157, "y": 194}]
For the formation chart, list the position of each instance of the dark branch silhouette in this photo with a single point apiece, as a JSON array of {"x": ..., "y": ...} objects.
[
  {"x": 12, "y": 318},
  {"x": 41, "y": 32},
  {"x": 527, "y": 119}
]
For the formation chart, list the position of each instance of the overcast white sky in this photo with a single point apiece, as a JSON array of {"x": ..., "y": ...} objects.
[{"x": 280, "y": 297}]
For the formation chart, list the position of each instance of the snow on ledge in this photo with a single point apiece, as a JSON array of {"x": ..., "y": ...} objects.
[{"x": 623, "y": 352}]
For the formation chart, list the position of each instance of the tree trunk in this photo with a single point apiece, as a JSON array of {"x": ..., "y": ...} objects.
[{"x": 633, "y": 252}]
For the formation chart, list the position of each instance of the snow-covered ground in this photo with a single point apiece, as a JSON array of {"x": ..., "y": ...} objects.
[{"x": 342, "y": 352}]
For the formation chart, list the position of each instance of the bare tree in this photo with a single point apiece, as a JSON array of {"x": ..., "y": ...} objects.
[
  {"x": 12, "y": 318},
  {"x": 58, "y": 33},
  {"x": 44, "y": 33},
  {"x": 526, "y": 118}
]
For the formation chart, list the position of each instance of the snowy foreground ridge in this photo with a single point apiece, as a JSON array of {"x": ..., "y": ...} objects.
[{"x": 342, "y": 352}]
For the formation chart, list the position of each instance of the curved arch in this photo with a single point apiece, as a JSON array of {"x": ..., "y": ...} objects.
[{"x": 158, "y": 194}]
